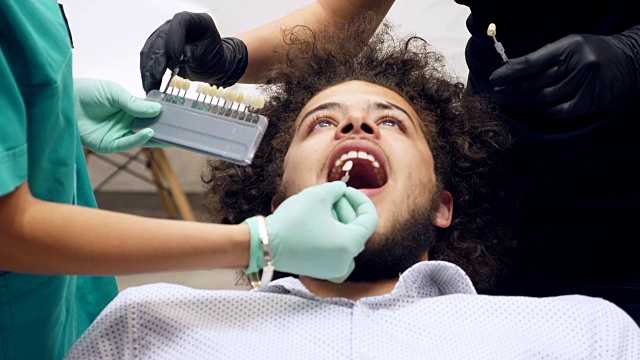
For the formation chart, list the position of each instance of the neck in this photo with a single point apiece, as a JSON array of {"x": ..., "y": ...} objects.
[{"x": 350, "y": 290}]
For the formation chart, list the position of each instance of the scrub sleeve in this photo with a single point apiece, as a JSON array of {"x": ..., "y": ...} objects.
[{"x": 41, "y": 316}]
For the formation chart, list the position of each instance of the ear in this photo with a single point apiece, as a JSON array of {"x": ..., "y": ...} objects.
[
  {"x": 444, "y": 212},
  {"x": 275, "y": 202}
]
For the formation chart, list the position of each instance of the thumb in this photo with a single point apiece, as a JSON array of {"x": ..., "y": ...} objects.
[
  {"x": 138, "y": 107},
  {"x": 133, "y": 105},
  {"x": 367, "y": 216},
  {"x": 344, "y": 212},
  {"x": 134, "y": 140}
]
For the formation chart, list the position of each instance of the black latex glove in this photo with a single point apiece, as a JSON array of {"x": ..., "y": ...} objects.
[
  {"x": 576, "y": 75},
  {"x": 205, "y": 56}
]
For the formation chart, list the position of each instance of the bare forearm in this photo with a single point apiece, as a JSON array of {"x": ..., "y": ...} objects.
[
  {"x": 44, "y": 237},
  {"x": 261, "y": 41}
]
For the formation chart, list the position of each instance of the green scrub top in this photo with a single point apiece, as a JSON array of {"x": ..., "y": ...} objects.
[{"x": 41, "y": 316}]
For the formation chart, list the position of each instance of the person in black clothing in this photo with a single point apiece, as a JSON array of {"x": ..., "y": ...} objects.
[{"x": 568, "y": 93}]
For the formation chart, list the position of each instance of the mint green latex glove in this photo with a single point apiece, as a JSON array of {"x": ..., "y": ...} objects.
[
  {"x": 105, "y": 113},
  {"x": 343, "y": 211},
  {"x": 306, "y": 239}
]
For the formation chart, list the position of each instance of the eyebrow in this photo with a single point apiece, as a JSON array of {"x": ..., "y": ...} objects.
[
  {"x": 389, "y": 105},
  {"x": 335, "y": 105},
  {"x": 323, "y": 106}
]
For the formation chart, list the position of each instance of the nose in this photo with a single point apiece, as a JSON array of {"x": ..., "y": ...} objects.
[{"x": 357, "y": 124}]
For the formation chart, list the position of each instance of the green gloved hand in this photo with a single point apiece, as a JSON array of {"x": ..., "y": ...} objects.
[
  {"x": 105, "y": 113},
  {"x": 305, "y": 237}
]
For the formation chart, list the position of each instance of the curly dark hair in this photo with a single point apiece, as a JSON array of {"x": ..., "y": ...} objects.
[{"x": 464, "y": 132}]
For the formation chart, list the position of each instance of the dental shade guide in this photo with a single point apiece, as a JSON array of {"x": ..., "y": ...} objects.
[
  {"x": 346, "y": 167},
  {"x": 491, "y": 31},
  {"x": 211, "y": 127}
]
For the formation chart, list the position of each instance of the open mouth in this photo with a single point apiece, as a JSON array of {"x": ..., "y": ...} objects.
[{"x": 358, "y": 169}]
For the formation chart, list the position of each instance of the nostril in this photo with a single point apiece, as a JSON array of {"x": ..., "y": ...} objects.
[
  {"x": 366, "y": 128},
  {"x": 347, "y": 129}
]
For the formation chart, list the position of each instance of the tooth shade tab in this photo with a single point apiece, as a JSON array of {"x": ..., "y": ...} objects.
[
  {"x": 247, "y": 100},
  {"x": 347, "y": 166},
  {"x": 491, "y": 30}
]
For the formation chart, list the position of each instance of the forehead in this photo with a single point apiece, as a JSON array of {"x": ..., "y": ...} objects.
[{"x": 357, "y": 94}]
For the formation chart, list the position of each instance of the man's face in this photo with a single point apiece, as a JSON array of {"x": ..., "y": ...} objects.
[{"x": 377, "y": 131}]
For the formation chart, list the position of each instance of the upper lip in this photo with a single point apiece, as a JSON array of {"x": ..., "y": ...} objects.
[{"x": 357, "y": 145}]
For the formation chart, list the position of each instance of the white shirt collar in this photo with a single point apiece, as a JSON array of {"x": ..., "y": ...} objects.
[{"x": 423, "y": 280}]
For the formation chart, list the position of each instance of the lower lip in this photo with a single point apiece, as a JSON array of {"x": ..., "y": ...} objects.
[{"x": 371, "y": 192}]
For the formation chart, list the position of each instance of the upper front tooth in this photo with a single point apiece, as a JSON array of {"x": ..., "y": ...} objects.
[
  {"x": 343, "y": 157},
  {"x": 371, "y": 158},
  {"x": 352, "y": 154},
  {"x": 363, "y": 155}
]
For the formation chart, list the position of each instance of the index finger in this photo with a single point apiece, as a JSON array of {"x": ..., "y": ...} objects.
[{"x": 525, "y": 66}]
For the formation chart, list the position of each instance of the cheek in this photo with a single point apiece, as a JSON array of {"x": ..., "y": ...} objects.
[
  {"x": 416, "y": 162},
  {"x": 303, "y": 164},
  {"x": 416, "y": 175}
]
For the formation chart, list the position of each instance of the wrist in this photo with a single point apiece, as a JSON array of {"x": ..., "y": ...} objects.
[
  {"x": 257, "y": 279},
  {"x": 256, "y": 257}
]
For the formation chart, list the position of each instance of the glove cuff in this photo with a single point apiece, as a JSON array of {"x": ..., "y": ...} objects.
[
  {"x": 236, "y": 60},
  {"x": 256, "y": 257}
]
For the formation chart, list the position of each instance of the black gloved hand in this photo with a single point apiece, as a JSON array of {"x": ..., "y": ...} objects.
[
  {"x": 205, "y": 56},
  {"x": 576, "y": 75}
]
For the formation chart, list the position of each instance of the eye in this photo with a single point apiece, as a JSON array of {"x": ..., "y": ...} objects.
[
  {"x": 321, "y": 122},
  {"x": 389, "y": 122},
  {"x": 392, "y": 122}
]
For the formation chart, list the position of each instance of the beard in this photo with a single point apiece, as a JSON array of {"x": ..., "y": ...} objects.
[{"x": 387, "y": 254}]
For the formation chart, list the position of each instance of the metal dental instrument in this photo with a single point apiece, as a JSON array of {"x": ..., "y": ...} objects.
[
  {"x": 491, "y": 31},
  {"x": 174, "y": 72}
]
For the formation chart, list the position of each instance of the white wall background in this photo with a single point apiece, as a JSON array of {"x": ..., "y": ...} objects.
[{"x": 108, "y": 36}]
